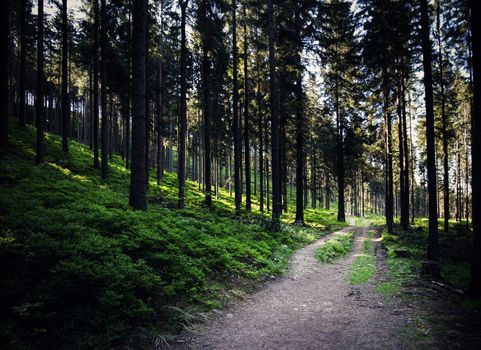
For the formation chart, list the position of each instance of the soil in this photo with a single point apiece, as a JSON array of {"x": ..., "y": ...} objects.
[{"x": 314, "y": 306}]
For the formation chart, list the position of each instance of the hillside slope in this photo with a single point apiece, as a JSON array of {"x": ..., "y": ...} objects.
[{"x": 82, "y": 270}]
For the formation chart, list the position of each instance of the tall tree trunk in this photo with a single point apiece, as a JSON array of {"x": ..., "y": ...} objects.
[
  {"x": 65, "y": 94},
  {"x": 103, "y": 91},
  {"x": 23, "y": 58},
  {"x": 443, "y": 119},
  {"x": 4, "y": 44},
  {"x": 276, "y": 184},
  {"x": 206, "y": 101},
  {"x": 183, "y": 107},
  {"x": 431, "y": 152},
  {"x": 39, "y": 102},
  {"x": 475, "y": 285},
  {"x": 246, "y": 119},
  {"x": 160, "y": 102},
  {"x": 341, "y": 215},
  {"x": 96, "y": 84},
  {"x": 138, "y": 186},
  {"x": 299, "y": 153},
  {"x": 236, "y": 121},
  {"x": 406, "y": 154},
  {"x": 389, "y": 205},
  {"x": 403, "y": 205}
]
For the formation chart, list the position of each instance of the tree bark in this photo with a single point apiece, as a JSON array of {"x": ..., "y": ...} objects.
[
  {"x": 475, "y": 285},
  {"x": 433, "y": 253},
  {"x": 246, "y": 119},
  {"x": 23, "y": 58},
  {"x": 65, "y": 94},
  {"x": 104, "y": 137},
  {"x": 236, "y": 121},
  {"x": 4, "y": 44},
  {"x": 183, "y": 107},
  {"x": 138, "y": 186},
  {"x": 276, "y": 185},
  {"x": 96, "y": 84},
  {"x": 39, "y": 102}
]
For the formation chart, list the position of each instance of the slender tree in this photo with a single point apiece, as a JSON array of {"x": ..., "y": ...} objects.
[
  {"x": 475, "y": 285},
  {"x": 104, "y": 135},
  {"x": 4, "y": 44},
  {"x": 138, "y": 185},
  {"x": 236, "y": 121},
  {"x": 65, "y": 94},
  {"x": 23, "y": 58},
  {"x": 39, "y": 121},
  {"x": 96, "y": 85},
  {"x": 433, "y": 253},
  {"x": 246, "y": 117},
  {"x": 276, "y": 180},
  {"x": 183, "y": 106}
]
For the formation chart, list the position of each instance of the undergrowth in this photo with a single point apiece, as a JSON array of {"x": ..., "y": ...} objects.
[{"x": 81, "y": 270}]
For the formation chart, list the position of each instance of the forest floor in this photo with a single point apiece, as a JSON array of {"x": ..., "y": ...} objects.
[
  {"x": 314, "y": 306},
  {"x": 321, "y": 306}
]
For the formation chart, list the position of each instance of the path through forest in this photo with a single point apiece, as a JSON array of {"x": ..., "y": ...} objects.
[{"x": 313, "y": 306}]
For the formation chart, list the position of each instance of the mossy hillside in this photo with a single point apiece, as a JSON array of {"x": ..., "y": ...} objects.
[{"x": 82, "y": 270}]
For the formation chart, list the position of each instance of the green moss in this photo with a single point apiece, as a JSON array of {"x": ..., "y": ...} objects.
[{"x": 363, "y": 268}]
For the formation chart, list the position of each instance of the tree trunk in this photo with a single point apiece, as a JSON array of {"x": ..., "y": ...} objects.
[
  {"x": 138, "y": 186},
  {"x": 65, "y": 94},
  {"x": 206, "y": 104},
  {"x": 96, "y": 84},
  {"x": 431, "y": 153},
  {"x": 39, "y": 102},
  {"x": 104, "y": 134},
  {"x": 444, "y": 121},
  {"x": 236, "y": 121},
  {"x": 475, "y": 285},
  {"x": 341, "y": 215},
  {"x": 183, "y": 107},
  {"x": 276, "y": 185},
  {"x": 23, "y": 58},
  {"x": 246, "y": 120},
  {"x": 4, "y": 35}
]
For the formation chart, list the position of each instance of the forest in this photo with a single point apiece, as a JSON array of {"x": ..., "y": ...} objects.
[{"x": 240, "y": 174}]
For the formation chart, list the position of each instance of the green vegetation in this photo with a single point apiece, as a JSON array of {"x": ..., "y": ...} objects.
[
  {"x": 364, "y": 265},
  {"x": 81, "y": 270},
  {"x": 335, "y": 248}
]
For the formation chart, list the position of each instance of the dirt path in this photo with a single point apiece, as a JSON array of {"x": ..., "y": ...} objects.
[{"x": 313, "y": 307}]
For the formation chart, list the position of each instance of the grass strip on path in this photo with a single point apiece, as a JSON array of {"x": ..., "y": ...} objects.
[
  {"x": 335, "y": 248},
  {"x": 364, "y": 265}
]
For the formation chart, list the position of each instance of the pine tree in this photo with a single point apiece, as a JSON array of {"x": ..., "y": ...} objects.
[
  {"x": 138, "y": 185},
  {"x": 40, "y": 121}
]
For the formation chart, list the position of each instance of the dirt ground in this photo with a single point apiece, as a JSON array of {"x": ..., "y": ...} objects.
[{"x": 313, "y": 306}]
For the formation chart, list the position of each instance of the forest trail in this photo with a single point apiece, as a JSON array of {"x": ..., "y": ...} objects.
[{"x": 314, "y": 306}]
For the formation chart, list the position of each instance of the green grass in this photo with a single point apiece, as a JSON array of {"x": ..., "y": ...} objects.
[
  {"x": 81, "y": 270},
  {"x": 364, "y": 265},
  {"x": 335, "y": 248}
]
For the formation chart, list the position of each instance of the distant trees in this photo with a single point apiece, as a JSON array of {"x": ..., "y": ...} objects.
[{"x": 268, "y": 129}]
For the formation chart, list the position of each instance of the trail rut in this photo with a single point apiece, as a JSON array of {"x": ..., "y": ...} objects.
[{"x": 313, "y": 306}]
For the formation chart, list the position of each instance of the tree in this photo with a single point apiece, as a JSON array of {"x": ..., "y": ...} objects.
[
  {"x": 276, "y": 179},
  {"x": 4, "y": 44},
  {"x": 23, "y": 58},
  {"x": 246, "y": 117},
  {"x": 475, "y": 285},
  {"x": 138, "y": 185},
  {"x": 96, "y": 85},
  {"x": 235, "y": 116},
  {"x": 39, "y": 121},
  {"x": 65, "y": 94},
  {"x": 183, "y": 106},
  {"x": 433, "y": 253},
  {"x": 104, "y": 135}
]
